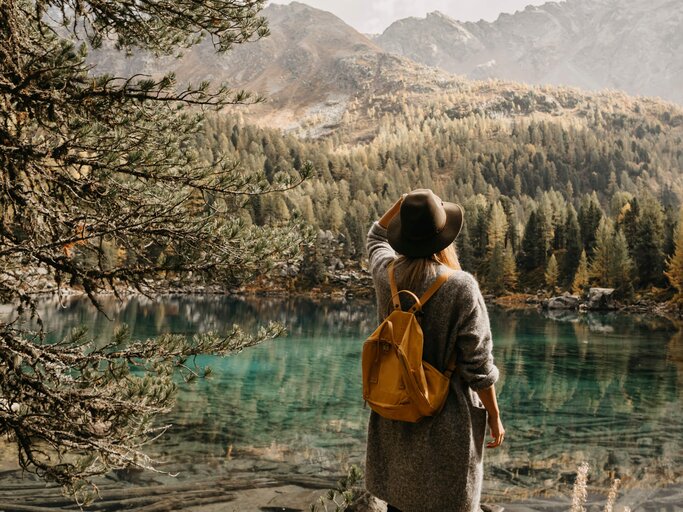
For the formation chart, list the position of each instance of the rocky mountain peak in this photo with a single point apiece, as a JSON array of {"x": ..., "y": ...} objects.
[{"x": 633, "y": 45}]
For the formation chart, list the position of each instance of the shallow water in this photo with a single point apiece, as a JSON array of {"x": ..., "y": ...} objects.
[{"x": 604, "y": 388}]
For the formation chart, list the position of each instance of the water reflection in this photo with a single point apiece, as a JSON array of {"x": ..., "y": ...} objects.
[
  {"x": 573, "y": 387},
  {"x": 602, "y": 388},
  {"x": 187, "y": 314}
]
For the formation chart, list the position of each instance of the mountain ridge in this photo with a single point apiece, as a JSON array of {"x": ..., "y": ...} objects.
[
  {"x": 578, "y": 43},
  {"x": 318, "y": 73}
]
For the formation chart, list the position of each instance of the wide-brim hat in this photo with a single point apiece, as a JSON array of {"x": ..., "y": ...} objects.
[{"x": 425, "y": 224}]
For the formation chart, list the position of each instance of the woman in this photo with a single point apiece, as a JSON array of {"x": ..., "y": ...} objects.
[{"x": 437, "y": 463}]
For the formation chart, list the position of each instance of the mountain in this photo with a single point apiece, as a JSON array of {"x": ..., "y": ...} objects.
[
  {"x": 632, "y": 45},
  {"x": 310, "y": 67},
  {"x": 321, "y": 77}
]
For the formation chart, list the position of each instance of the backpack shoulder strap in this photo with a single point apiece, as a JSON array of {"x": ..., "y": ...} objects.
[
  {"x": 452, "y": 365},
  {"x": 441, "y": 279}
]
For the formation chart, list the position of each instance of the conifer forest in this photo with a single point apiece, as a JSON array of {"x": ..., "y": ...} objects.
[{"x": 551, "y": 203}]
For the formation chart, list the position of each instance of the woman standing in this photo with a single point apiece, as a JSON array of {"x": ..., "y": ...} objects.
[{"x": 435, "y": 464}]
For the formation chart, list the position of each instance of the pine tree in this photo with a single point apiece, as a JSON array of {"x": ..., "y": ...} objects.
[
  {"x": 600, "y": 265},
  {"x": 495, "y": 279},
  {"x": 590, "y": 215},
  {"x": 581, "y": 277},
  {"x": 546, "y": 232},
  {"x": 573, "y": 246},
  {"x": 532, "y": 254},
  {"x": 648, "y": 243},
  {"x": 612, "y": 265},
  {"x": 628, "y": 220},
  {"x": 497, "y": 227},
  {"x": 620, "y": 265},
  {"x": 91, "y": 165},
  {"x": 552, "y": 273},
  {"x": 464, "y": 249},
  {"x": 510, "y": 276},
  {"x": 674, "y": 265},
  {"x": 512, "y": 234}
]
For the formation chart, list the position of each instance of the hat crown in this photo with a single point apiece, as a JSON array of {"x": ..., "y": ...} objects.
[
  {"x": 422, "y": 215},
  {"x": 425, "y": 224}
]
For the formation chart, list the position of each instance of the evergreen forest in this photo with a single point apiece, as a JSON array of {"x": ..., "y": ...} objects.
[{"x": 559, "y": 193}]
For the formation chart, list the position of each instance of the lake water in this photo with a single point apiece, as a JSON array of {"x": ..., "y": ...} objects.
[{"x": 601, "y": 388}]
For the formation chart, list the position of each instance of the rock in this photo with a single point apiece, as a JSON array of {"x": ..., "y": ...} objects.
[
  {"x": 601, "y": 299},
  {"x": 367, "y": 503},
  {"x": 564, "y": 302}
]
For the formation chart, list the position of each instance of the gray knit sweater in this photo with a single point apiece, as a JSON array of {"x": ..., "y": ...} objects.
[{"x": 435, "y": 465}]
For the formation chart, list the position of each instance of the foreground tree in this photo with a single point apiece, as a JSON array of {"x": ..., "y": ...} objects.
[{"x": 101, "y": 189}]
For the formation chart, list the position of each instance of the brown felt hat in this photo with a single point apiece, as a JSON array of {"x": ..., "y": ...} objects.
[{"x": 425, "y": 225}]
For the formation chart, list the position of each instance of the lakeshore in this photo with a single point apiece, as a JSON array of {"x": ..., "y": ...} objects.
[
  {"x": 351, "y": 284},
  {"x": 242, "y": 485},
  {"x": 270, "y": 430}
]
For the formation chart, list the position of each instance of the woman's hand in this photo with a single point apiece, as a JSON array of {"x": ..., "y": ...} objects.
[
  {"x": 497, "y": 432},
  {"x": 488, "y": 398},
  {"x": 391, "y": 212}
]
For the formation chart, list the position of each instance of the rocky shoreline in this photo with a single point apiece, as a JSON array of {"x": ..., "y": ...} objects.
[
  {"x": 242, "y": 485},
  {"x": 342, "y": 282}
]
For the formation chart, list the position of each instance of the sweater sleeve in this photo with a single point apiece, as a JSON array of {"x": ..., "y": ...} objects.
[
  {"x": 474, "y": 343},
  {"x": 380, "y": 252}
]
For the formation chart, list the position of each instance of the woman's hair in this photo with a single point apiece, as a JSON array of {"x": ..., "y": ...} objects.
[{"x": 412, "y": 272}]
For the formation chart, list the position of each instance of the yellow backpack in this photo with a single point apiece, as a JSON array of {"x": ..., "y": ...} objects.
[{"x": 397, "y": 383}]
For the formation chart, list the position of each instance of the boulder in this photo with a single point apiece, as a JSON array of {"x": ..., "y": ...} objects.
[
  {"x": 601, "y": 299},
  {"x": 564, "y": 302}
]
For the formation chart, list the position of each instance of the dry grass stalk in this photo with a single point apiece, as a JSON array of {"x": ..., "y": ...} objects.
[
  {"x": 579, "y": 494},
  {"x": 612, "y": 497}
]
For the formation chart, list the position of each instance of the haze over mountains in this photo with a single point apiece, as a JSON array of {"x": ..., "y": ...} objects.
[
  {"x": 314, "y": 67},
  {"x": 310, "y": 66},
  {"x": 632, "y": 45}
]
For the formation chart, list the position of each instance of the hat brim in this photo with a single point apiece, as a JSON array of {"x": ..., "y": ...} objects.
[{"x": 426, "y": 247}]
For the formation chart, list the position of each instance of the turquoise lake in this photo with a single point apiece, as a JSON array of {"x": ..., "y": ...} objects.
[{"x": 601, "y": 388}]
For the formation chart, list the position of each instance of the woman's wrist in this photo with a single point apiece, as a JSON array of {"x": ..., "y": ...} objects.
[{"x": 391, "y": 212}]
